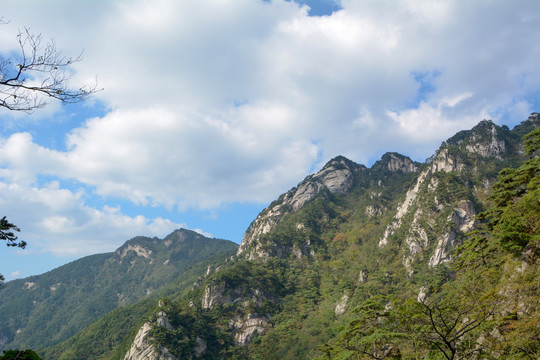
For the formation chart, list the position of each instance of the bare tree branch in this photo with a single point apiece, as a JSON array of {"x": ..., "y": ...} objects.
[
  {"x": 448, "y": 322},
  {"x": 40, "y": 72}
]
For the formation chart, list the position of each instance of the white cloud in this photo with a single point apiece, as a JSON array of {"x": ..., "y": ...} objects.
[
  {"x": 214, "y": 102},
  {"x": 57, "y": 220},
  {"x": 427, "y": 120}
]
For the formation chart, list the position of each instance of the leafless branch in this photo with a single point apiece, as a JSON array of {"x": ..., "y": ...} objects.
[
  {"x": 450, "y": 323},
  {"x": 39, "y": 73}
]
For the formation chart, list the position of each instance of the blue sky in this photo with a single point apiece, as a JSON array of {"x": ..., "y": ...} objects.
[{"x": 212, "y": 109}]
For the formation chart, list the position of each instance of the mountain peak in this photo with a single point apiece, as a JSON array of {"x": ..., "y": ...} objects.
[
  {"x": 534, "y": 118},
  {"x": 486, "y": 123},
  {"x": 182, "y": 234},
  {"x": 336, "y": 177},
  {"x": 526, "y": 126},
  {"x": 340, "y": 161},
  {"x": 395, "y": 162},
  {"x": 486, "y": 139}
]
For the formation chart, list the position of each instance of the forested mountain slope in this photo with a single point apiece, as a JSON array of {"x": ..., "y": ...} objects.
[
  {"x": 361, "y": 263},
  {"x": 43, "y": 310},
  {"x": 401, "y": 260}
]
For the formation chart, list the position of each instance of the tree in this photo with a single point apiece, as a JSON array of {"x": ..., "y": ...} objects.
[
  {"x": 19, "y": 355},
  {"x": 6, "y": 233},
  {"x": 448, "y": 324},
  {"x": 38, "y": 73},
  {"x": 491, "y": 305},
  {"x": 514, "y": 221},
  {"x": 371, "y": 335}
]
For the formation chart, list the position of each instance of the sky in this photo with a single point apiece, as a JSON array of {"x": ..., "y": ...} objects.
[{"x": 211, "y": 109}]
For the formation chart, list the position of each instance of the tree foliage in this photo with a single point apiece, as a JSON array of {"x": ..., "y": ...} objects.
[
  {"x": 450, "y": 323},
  {"x": 7, "y": 234},
  {"x": 19, "y": 355},
  {"x": 372, "y": 333},
  {"x": 514, "y": 220}
]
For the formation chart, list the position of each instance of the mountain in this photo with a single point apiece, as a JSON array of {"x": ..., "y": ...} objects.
[
  {"x": 358, "y": 262},
  {"x": 322, "y": 267},
  {"x": 43, "y": 310}
]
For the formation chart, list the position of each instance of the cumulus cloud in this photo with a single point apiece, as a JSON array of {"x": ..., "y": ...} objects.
[
  {"x": 58, "y": 221},
  {"x": 235, "y": 101}
]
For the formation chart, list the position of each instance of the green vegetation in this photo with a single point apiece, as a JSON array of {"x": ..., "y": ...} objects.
[
  {"x": 110, "y": 337},
  {"x": 189, "y": 326},
  {"x": 19, "y": 355},
  {"x": 344, "y": 297},
  {"x": 7, "y": 234},
  {"x": 487, "y": 305},
  {"x": 44, "y": 310}
]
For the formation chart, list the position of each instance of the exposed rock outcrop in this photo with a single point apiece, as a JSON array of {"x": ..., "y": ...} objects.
[
  {"x": 244, "y": 326},
  {"x": 372, "y": 211},
  {"x": 336, "y": 177},
  {"x": 494, "y": 147},
  {"x": 138, "y": 249},
  {"x": 422, "y": 293},
  {"x": 466, "y": 150},
  {"x": 341, "y": 306},
  {"x": 142, "y": 347},
  {"x": 395, "y": 162},
  {"x": 220, "y": 294},
  {"x": 30, "y": 285},
  {"x": 363, "y": 276},
  {"x": 245, "y": 329},
  {"x": 403, "y": 208},
  {"x": 445, "y": 162},
  {"x": 463, "y": 220}
]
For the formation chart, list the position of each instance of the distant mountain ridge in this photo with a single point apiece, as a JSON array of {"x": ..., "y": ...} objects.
[{"x": 42, "y": 310}]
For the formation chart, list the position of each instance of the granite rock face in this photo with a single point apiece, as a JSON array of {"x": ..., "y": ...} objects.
[
  {"x": 395, "y": 162},
  {"x": 421, "y": 209},
  {"x": 341, "y": 306},
  {"x": 463, "y": 218},
  {"x": 244, "y": 327},
  {"x": 336, "y": 177},
  {"x": 492, "y": 146},
  {"x": 142, "y": 347},
  {"x": 219, "y": 294}
]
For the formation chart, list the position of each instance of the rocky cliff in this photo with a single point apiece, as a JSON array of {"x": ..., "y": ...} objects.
[
  {"x": 336, "y": 177},
  {"x": 167, "y": 324},
  {"x": 439, "y": 208},
  {"x": 348, "y": 234},
  {"x": 246, "y": 321},
  {"x": 142, "y": 347}
]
